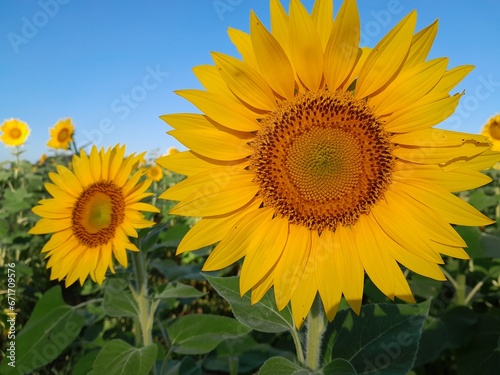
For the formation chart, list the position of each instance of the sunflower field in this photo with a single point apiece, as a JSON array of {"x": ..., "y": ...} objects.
[{"x": 318, "y": 222}]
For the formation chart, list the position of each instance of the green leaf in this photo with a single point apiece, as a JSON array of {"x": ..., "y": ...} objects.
[
  {"x": 149, "y": 237},
  {"x": 249, "y": 353},
  {"x": 85, "y": 363},
  {"x": 262, "y": 316},
  {"x": 178, "y": 290},
  {"x": 199, "y": 334},
  {"x": 185, "y": 367},
  {"x": 482, "y": 355},
  {"x": 482, "y": 201},
  {"x": 173, "y": 236},
  {"x": 453, "y": 329},
  {"x": 16, "y": 201},
  {"x": 52, "y": 327},
  {"x": 119, "y": 358},
  {"x": 480, "y": 244},
  {"x": 382, "y": 339},
  {"x": 5, "y": 175},
  {"x": 172, "y": 271},
  {"x": 338, "y": 367},
  {"x": 282, "y": 366},
  {"x": 118, "y": 300},
  {"x": 490, "y": 244}
]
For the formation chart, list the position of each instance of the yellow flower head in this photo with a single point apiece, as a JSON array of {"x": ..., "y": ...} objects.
[
  {"x": 14, "y": 132},
  {"x": 43, "y": 159},
  {"x": 94, "y": 208},
  {"x": 155, "y": 172},
  {"x": 317, "y": 162},
  {"x": 492, "y": 131},
  {"x": 172, "y": 150},
  {"x": 61, "y": 135}
]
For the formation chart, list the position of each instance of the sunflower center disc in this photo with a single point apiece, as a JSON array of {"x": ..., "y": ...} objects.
[
  {"x": 63, "y": 135},
  {"x": 15, "y": 133},
  {"x": 322, "y": 159},
  {"x": 97, "y": 212},
  {"x": 495, "y": 131}
]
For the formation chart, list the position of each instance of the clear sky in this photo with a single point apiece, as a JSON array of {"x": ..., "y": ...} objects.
[{"x": 112, "y": 65}]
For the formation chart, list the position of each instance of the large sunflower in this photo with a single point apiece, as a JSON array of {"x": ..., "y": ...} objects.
[
  {"x": 14, "y": 132},
  {"x": 317, "y": 161},
  {"x": 492, "y": 131},
  {"x": 61, "y": 135},
  {"x": 93, "y": 210}
]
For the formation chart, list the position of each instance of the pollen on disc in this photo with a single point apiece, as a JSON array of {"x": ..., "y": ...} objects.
[{"x": 322, "y": 159}]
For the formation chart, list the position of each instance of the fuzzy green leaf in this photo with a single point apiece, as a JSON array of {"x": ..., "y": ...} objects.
[
  {"x": 119, "y": 358},
  {"x": 262, "y": 316}
]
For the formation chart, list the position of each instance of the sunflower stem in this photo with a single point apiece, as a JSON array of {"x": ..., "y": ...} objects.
[
  {"x": 316, "y": 326},
  {"x": 298, "y": 346},
  {"x": 460, "y": 289},
  {"x": 146, "y": 312}
]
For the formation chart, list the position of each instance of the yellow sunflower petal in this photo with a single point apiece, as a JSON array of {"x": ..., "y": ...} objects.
[
  {"x": 245, "y": 82},
  {"x": 423, "y": 114},
  {"x": 421, "y": 45},
  {"x": 279, "y": 25},
  {"x": 452, "y": 208},
  {"x": 328, "y": 278},
  {"x": 342, "y": 49},
  {"x": 386, "y": 58},
  {"x": 243, "y": 44},
  {"x": 305, "y": 46},
  {"x": 409, "y": 87},
  {"x": 210, "y": 230},
  {"x": 272, "y": 59},
  {"x": 213, "y": 144},
  {"x": 322, "y": 14},
  {"x": 210, "y": 78},
  {"x": 218, "y": 200},
  {"x": 375, "y": 259},
  {"x": 292, "y": 264},
  {"x": 452, "y": 77},
  {"x": 258, "y": 259},
  {"x": 229, "y": 114},
  {"x": 235, "y": 245}
]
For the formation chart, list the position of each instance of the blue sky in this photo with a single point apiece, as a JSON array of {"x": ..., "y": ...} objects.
[{"x": 112, "y": 65}]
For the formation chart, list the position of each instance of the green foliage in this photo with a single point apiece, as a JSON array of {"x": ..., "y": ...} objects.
[
  {"x": 171, "y": 320},
  {"x": 262, "y": 316},
  {"x": 118, "y": 357}
]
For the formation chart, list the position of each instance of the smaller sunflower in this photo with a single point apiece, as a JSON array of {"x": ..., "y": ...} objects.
[
  {"x": 492, "y": 131},
  {"x": 14, "y": 132},
  {"x": 61, "y": 135},
  {"x": 42, "y": 160},
  {"x": 94, "y": 209},
  {"x": 171, "y": 151},
  {"x": 155, "y": 172}
]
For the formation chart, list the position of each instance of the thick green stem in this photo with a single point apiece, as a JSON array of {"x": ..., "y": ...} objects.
[
  {"x": 146, "y": 310},
  {"x": 316, "y": 326}
]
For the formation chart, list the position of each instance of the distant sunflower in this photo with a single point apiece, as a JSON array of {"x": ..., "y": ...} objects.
[
  {"x": 61, "y": 135},
  {"x": 154, "y": 172},
  {"x": 94, "y": 208},
  {"x": 317, "y": 161},
  {"x": 492, "y": 131},
  {"x": 14, "y": 132}
]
